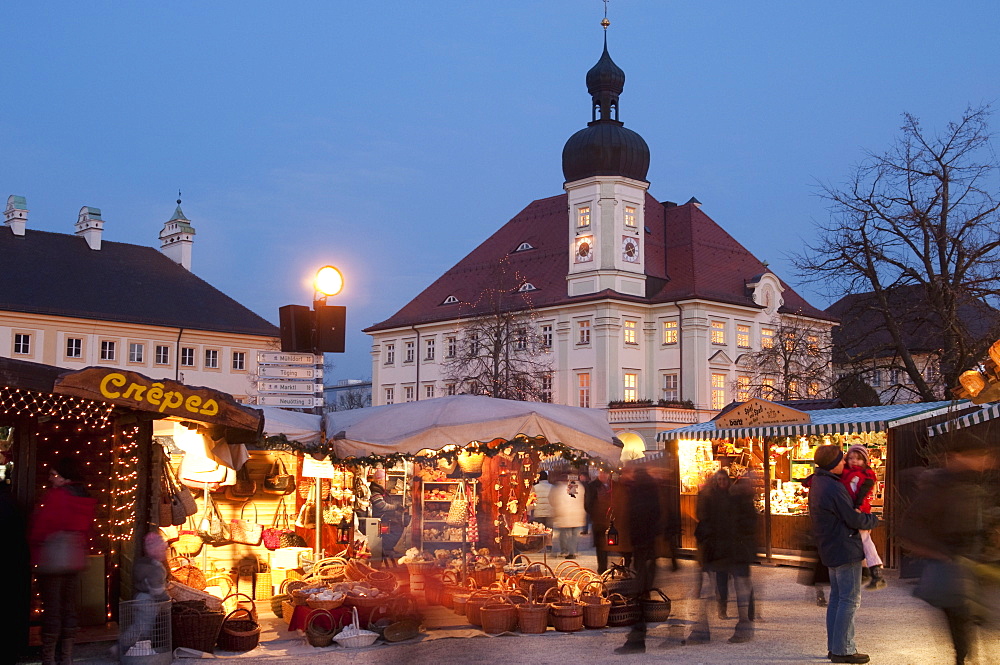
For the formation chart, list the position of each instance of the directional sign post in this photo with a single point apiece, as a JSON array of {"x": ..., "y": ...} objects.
[{"x": 289, "y": 379}]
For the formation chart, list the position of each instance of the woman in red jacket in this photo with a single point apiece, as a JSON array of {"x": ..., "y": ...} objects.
[
  {"x": 58, "y": 536},
  {"x": 860, "y": 480}
]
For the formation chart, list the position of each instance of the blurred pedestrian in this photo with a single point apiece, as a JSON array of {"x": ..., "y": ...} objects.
[
  {"x": 150, "y": 575},
  {"x": 389, "y": 514},
  {"x": 952, "y": 523},
  {"x": 597, "y": 503},
  {"x": 860, "y": 480},
  {"x": 542, "y": 512},
  {"x": 60, "y": 530},
  {"x": 727, "y": 536},
  {"x": 836, "y": 524},
  {"x": 568, "y": 514}
]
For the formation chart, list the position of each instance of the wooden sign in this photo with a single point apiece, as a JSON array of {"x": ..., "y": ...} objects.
[
  {"x": 760, "y": 413},
  {"x": 164, "y": 396}
]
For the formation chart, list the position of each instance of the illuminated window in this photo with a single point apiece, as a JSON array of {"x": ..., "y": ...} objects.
[
  {"x": 390, "y": 395},
  {"x": 812, "y": 345},
  {"x": 239, "y": 360},
  {"x": 583, "y": 216},
  {"x": 767, "y": 388},
  {"x": 671, "y": 393},
  {"x": 814, "y": 389},
  {"x": 742, "y": 388},
  {"x": 408, "y": 352},
  {"x": 767, "y": 338},
  {"x": 162, "y": 354},
  {"x": 793, "y": 388},
  {"x": 136, "y": 352},
  {"x": 630, "y": 337},
  {"x": 631, "y": 387},
  {"x": 790, "y": 341},
  {"x": 74, "y": 347},
  {"x": 718, "y": 391},
  {"x": 187, "y": 356},
  {"x": 22, "y": 344},
  {"x": 429, "y": 349},
  {"x": 743, "y": 336},
  {"x": 211, "y": 359},
  {"x": 669, "y": 332},
  {"x": 390, "y": 354},
  {"x": 452, "y": 343},
  {"x": 109, "y": 349},
  {"x": 718, "y": 332},
  {"x": 584, "y": 329},
  {"x": 547, "y": 336},
  {"x": 407, "y": 393},
  {"x": 583, "y": 389},
  {"x": 630, "y": 216}
]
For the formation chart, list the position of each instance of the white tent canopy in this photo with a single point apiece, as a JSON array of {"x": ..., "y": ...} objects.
[
  {"x": 297, "y": 427},
  {"x": 461, "y": 419}
]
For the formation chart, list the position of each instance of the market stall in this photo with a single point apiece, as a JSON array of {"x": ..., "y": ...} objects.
[{"x": 773, "y": 445}]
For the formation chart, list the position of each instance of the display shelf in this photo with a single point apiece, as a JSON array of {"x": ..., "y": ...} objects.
[{"x": 437, "y": 504}]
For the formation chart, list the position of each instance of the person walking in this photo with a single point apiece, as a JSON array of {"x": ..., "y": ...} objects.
[
  {"x": 58, "y": 536},
  {"x": 835, "y": 524},
  {"x": 952, "y": 523},
  {"x": 568, "y": 514},
  {"x": 860, "y": 480},
  {"x": 597, "y": 504},
  {"x": 542, "y": 512}
]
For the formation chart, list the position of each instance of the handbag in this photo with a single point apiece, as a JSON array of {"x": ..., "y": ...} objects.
[
  {"x": 63, "y": 552},
  {"x": 245, "y": 532},
  {"x": 212, "y": 528},
  {"x": 307, "y": 516},
  {"x": 244, "y": 488},
  {"x": 182, "y": 503},
  {"x": 201, "y": 472},
  {"x": 279, "y": 525},
  {"x": 458, "y": 512},
  {"x": 278, "y": 480}
]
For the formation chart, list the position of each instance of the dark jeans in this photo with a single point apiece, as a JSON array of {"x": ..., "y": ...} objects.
[
  {"x": 58, "y": 594},
  {"x": 960, "y": 626}
]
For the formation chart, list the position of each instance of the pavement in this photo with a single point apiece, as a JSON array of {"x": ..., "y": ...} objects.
[{"x": 892, "y": 626}]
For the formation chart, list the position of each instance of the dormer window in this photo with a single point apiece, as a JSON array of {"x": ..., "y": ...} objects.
[
  {"x": 450, "y": 300},
  {"x": 527, "y": 286},
  {"x": 524, "y": 247}
]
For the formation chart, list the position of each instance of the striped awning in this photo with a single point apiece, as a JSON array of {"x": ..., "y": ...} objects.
[
  {"x": 987, "y": 412},
  {"x": 827, "y": 421}
]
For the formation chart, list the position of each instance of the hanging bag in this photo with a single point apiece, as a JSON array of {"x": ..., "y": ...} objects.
[
  {"x": 199, "y": 472},
  {"x": 280, "y": 525},
  {"x": 183, "y": 499},
  {"x": 245, "y": 532},
  {"x": 307, "y": 516},
  {"x": 244, "y": 488},
  {"x": 278, "y": 480},
  {"x": 458, "y": 512},
  {"x": 212, "y": 528}
]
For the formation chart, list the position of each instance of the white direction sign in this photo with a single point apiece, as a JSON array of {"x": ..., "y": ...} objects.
[
  {"x": 282, "y": 358},
  {"x": 293, "y": 401},
  {"x": 303, "y": 387},
  {"x": 285, "y": 372}
]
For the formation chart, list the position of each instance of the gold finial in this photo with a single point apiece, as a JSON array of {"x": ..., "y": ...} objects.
[{"x": 605, "y": 22}]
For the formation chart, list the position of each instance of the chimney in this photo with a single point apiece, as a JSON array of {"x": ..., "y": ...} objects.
[
  {"x": 177, "y": 238},
  {"x": 16, "y": 214},
  {"x": 90, "y": 226}
]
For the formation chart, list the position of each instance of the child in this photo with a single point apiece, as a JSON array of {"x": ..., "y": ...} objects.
[{"x": 860, "y": 480}]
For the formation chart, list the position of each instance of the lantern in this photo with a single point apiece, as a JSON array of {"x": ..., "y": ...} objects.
[
  {"x": 611, "y": 535},
  {"x": 973, "y": 382},
  {"x": 344, "y": 531}
]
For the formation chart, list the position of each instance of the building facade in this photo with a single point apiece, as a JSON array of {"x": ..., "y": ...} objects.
[
  {"x": 622, "y": 301},
  {"x": 76, "y": 300}
]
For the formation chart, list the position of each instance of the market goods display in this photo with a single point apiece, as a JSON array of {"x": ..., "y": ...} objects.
[
  {"x": 239, "y": 632},
  {"x": 327, "y": 599},
  {"x": 353, "y": 636},
  {"x": 536, "y": 577}
]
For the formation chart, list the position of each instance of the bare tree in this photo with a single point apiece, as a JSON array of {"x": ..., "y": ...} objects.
[
  {"x": 353, "y": 398},
  {"x": 498, "y": 351},
  {"x": 923, "y": 215},
  {"x": 793, "y": 363}
]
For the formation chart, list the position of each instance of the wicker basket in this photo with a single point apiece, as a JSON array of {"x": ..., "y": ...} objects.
[
  {"x": 239, "y": 632},
  {"x": 624, "y": 611},
  {"x": 187, "y": 573},
  {"x": 318, "y": 636},
  {"x": 484, "y": 577},
  {"x": 655, "y": 610},
  {"x": 475, "y": 604},
  {"x": 362, "y": 639},
  {"x": 178, "y": 591},
  {"x": 499, "y": 615},
  {"x": 277, "y": 604},
  {"x": 621, "y": 580},
  {"x": 421, "y": 567},
  {"x": 324, "y": 604},
  {"x": 247, "y": 604},
  {"x": 567, "y": 616},
  {"x": 471, "y": 462},
  {"x": 263, "y": 587},
  {"x": 596, "y": 607},
  {"x": 459, "y": 600},
  {"x": 383, "y": 581},
  {"x": 533, "y": 618},
  {"x": 535, "y": 581},
  {"x": 193, "y": 628}
]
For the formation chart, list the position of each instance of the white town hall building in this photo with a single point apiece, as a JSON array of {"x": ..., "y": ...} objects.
[{"x": 630, "y": 299}]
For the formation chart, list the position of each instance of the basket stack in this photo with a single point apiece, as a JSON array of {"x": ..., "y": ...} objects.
[{"x": 320, "y": 633}]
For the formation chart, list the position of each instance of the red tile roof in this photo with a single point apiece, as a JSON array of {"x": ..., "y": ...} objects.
[{"x": 687, "y": 256}]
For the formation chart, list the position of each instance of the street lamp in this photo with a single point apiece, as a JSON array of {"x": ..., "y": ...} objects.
[{"x": 329, "y": 282}]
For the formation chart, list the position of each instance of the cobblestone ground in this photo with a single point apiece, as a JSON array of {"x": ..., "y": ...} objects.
[{"x": 892, "y": 626}]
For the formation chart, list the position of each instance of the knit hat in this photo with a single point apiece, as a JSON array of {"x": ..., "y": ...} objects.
[
  {"x": 69, "y": 468},
  {"x": 861, "y": 450},
  {"x": 828, "y": 456}
]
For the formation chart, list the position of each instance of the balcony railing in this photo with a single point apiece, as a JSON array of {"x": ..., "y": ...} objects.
[{"x": 652, "y": 414}]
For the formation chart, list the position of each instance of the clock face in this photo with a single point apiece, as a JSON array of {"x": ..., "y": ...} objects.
[
  {"x": 630, "y": 249},
  {"x": 584, "y": 249}
]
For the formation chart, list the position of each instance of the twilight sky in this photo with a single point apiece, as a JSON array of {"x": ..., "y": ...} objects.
[{"x": 391, "y": 138}]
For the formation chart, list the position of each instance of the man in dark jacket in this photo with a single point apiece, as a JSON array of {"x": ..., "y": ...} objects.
[{"x": 835, "y": 524}]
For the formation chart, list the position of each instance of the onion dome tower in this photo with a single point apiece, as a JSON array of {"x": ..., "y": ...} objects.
[{"x": 605, "y": 168}]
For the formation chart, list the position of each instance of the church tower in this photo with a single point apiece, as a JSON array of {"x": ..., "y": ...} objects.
[
  {"x": 605, "y": 168},
  {"x": 177, "y": 238}
]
